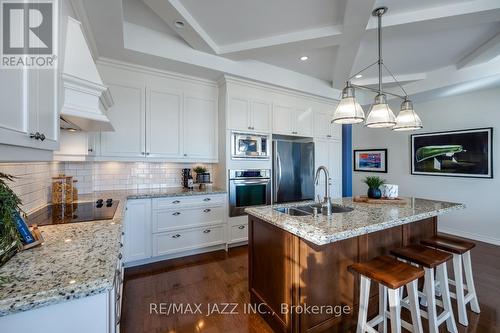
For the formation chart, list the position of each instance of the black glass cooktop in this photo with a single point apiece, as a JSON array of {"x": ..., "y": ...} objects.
[{"x": 72, "y": 213}]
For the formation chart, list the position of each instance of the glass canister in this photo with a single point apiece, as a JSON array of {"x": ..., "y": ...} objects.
[
  {"x": 58, "y": 184},
  {"x": 68, "y": 189}
]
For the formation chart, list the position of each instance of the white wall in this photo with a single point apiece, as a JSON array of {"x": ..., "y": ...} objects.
[{"x": 481, "y": 219}]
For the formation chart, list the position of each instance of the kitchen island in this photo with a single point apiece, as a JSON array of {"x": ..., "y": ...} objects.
[{"x": 298, "y": 264}]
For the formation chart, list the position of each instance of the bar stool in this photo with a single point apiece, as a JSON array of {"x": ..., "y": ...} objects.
[
  {"x": 431, "y": 259},
  {"x": 391, "y": 275},
  {"x": 461, "y": 253}
]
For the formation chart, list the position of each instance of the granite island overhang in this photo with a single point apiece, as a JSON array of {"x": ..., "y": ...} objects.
[{"x": 301, "y": 261}]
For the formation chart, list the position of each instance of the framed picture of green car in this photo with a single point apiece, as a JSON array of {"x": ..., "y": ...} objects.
[{"x": 461, "y": 153}]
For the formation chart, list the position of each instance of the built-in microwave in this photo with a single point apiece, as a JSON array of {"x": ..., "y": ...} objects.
[{"x": 249, "y": 146}]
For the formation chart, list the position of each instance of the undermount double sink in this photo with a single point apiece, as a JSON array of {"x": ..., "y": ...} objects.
[{"x": 305, "y": 210}]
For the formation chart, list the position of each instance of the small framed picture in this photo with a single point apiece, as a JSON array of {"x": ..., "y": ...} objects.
[{"x": 370, "y": 160}]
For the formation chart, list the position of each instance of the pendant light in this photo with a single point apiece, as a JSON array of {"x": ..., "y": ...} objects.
[
  {"x": 407, "y": 119},
  {"x": 349, "y": 111}
]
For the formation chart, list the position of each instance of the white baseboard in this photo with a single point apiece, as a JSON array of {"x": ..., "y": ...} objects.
[{"x": 478, "y": 237}]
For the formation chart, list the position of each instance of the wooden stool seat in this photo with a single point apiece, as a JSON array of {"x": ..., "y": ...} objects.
[
  {"x": 388, "y": 271},
  {"x": 450, "y": 244},
  {"x": 422, "y": 255}
]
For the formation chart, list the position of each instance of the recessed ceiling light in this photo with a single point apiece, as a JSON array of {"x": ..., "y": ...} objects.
[
  {"x": 304, "y": 58},
  {"x": 359, "y": 76},
  {"x": 179, "y": 24}
]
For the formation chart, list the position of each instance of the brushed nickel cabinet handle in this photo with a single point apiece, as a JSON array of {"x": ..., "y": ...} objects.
[
  {"x": 206, "y": 231},
  {"x": 176, "y": 202},
  {"x": 176, "y": 236},
  {"x": 176, "y": 213},
  {"x": 207, "y": 210},
  {"x": 241, "y": 227},
  {"x": 207, "y": 199},
  {"x": 120, "y": 256},
  {"x": 42, "y": 136}
]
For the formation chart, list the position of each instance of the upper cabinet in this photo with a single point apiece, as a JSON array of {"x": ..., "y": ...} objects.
[
  {"x": 247, "y": 114},
  {"x": 290, "y": 120},
  {"x": 323, "y": 126},
  {"x": 159, "y": 118},
  {"x": 29, "y": 108}
]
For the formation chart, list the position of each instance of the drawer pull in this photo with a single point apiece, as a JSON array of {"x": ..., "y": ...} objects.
[
  {"x": 176, "y": 202},
  {"x": 207, "y": 210},
  {"x": 120, "y": 256},
  {"x": 176, "y": 236},
  {"x": 241, "y": 227},
  {"x": 206, "y": 231},
  {"x": 176, "y": 213},
  {"x": 207, "y": 199}
]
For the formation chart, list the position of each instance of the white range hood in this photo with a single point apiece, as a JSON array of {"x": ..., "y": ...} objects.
[{"x": 86, "y": 98}]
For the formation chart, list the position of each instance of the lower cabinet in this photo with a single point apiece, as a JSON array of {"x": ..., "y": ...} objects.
[
  {"x": 238, "y": 233},
  {"x": 159, "y": 227}
]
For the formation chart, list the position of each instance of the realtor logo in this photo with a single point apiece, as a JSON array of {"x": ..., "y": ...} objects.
[{"x": 28, "y": 34}]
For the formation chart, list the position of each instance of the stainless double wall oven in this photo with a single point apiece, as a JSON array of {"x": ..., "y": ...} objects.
[{"x": 248, "y": 188}]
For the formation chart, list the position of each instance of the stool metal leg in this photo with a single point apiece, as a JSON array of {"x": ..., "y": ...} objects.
[
  {"x": 395, "y": 310},
  {"x": 474, "y": 304},
  {"x": 442, "y": 276},
  {"x": 430, "y": 293},
  {"x": 459, "y": 284},
  {"x": 364, "y": 295},
  {"x": 412, "y": 289},
  {"x": 382, "y": 308}
]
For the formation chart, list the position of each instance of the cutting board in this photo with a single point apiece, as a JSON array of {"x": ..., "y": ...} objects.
[{"x": 365, "y": 199}]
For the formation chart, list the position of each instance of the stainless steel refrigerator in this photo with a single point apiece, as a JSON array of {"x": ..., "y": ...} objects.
[{"x": 293, "y": 171}]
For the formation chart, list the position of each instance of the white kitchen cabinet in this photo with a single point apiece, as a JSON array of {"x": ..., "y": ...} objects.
[
  {"x": 249, "y": 115},
  {"x": 329, "y": 153},
  {"x": 164, "y": 123},
  {"x": 137, "y": 229},
  {"x": 323, "y": 126},
  {"x": 200, "y": 128},
  {"x": 289, "y": 120},
  {"x": 30, "y": 115},
  {"x": 128, "y": 118}
]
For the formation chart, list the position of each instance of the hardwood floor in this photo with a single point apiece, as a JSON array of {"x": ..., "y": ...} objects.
[{"x": 220, "y": 277}]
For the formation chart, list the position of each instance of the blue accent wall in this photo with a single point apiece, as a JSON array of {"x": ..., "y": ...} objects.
[{"x": 347, "y": 160}]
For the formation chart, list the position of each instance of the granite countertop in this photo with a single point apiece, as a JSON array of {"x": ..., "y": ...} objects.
[
  {"x": 365, "y": 218},
  {"x": 76, "y": 260}
]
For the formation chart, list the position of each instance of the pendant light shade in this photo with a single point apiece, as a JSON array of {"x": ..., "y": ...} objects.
[
  {"x": 407, "y": 119},
  {"x": 381, "y": 115},
  {"x": 348, "y": 111}
]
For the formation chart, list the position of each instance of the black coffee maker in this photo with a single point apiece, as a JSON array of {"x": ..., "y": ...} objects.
[{"x": 187, "y": 179}]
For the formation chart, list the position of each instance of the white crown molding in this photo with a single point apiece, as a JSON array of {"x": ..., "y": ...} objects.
[{"x": 154, "y": 71}]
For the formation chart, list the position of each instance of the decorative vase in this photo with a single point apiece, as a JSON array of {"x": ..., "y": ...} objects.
[
  {"x": 374, "y": 193},
  {"x": 203, "y": 177}
]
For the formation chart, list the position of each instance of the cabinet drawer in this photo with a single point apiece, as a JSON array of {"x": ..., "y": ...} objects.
[
  {"x": 176, "y": 241},
  {"x": 174, "y": 202},
  {"x": 238, "y": 233},
  {"x": 168, "y": 219}
]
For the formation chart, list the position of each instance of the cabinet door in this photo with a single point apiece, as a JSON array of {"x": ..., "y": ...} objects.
[
  {"x": 321, "y": 157},
  {"x": 128, "y": 117},
  {"x": 303, "y": 122},
  {"x": 200, "y": 128},
  {"x": 137, "y": 228},
  {"x": 239, "y": 114},
  {"x": 164, "y": 123},
  {"x": 42, "y": 102},
  {"x": 14, "y": 119},
  {"x": 260, "y": 116},
  {"x": 282, "y": 119},
  {"x": 335, "y": 168},
  {"x": 322, "y": 126}
]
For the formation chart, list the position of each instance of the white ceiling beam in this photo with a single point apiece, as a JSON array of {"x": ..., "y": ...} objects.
[
  {"x": 484, "y": 53},
  {"x": 298, "y": 40},
  {"x": 171, "y": 11},
  {"x": 403, "y": 79},
  {"x": 356, "y": 16},
  {"x": 442, "y": 17}
]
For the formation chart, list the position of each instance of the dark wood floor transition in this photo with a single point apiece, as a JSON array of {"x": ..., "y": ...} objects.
[{"x": 176, "y": 295}]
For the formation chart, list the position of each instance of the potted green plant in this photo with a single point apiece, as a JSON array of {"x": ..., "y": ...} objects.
[
  {"x": 374, "y": 184},
  {"x": 202, "y": 176},
  {"x": 10, "y": 240}
]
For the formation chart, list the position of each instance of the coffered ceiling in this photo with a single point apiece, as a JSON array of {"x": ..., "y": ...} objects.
[{"x": 428, "y": 44}]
